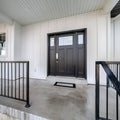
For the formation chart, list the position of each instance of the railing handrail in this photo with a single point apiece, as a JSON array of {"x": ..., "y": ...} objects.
[
  {"x": 110, "y": 74},
  {"x": 14, "y": 61},
  {"x": 108, "y": 62}
]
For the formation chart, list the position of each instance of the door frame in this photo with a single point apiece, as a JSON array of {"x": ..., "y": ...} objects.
[{"x": 61, "y": 33}]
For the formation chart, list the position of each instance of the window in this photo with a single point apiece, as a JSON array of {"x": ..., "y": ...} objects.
[
  {"x": 63, "y": 41},
  {"x": 2, "y": 44},
  {"x": 52, "y": 42},
  {"x": 80, "y": 39}
]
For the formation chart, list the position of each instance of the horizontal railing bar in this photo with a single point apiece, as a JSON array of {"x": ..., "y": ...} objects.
[
  {"x": 14, "y": 79},
  {"x": 101, "y": 118},
  {"x": 13, "y": 98},
  {"x": 108, "y": 62},
  {"x": 14, "y": 61}
]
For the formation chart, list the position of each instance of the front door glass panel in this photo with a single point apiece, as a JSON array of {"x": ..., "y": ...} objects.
[
  {"x": 80, "y": 39},
  {"x": 63, "y": 41},
  {"x": 52, "y": 42}
]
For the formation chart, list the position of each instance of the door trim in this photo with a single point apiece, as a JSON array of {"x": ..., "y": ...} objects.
[{"x": 61, "y": 33}]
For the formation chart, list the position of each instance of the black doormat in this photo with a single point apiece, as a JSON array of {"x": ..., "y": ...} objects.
[{"x": 64, "y": 84}]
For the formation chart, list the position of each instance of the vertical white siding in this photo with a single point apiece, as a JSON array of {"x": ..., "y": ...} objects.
[
  {"x": 9, "y": 30},
  {"x": 17, "y": 41},
  {"x": 34, "y": 41},
  {"x": 116, "y": 38}
]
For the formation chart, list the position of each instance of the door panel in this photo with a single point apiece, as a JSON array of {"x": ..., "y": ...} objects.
[
  {"x": 81, "y": 62},
  {"x": 52, "y": 61},
  {"x": 65, "y": 49},
  {"x": 52, "y": 52},
  {"x": 61, "y": 62},
  {"x": 70, "y": 61},
  {"x": 80, "y": 50}
]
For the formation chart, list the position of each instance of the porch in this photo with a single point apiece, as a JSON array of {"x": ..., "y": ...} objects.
[
  {"x": 60, "y": 38},
  {"x": 61, "y": 103}
]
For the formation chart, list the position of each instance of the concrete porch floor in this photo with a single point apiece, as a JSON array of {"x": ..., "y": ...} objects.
[{"x": 59, "y": 103}]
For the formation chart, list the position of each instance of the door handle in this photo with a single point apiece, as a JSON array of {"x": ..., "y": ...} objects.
[{"x": 56, "y": 56}]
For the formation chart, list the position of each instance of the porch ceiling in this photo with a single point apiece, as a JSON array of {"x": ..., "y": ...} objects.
[{"x": 31, "y": 11}]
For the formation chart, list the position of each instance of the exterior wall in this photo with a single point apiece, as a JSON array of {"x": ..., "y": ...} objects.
[
  {"x": 13, "y": 40},
  {"x": 9, "y": 30},
  {"x": 116, "y": 38},
  {"x": 34, "y": 41},
  {"x": 17, "y": 41}
]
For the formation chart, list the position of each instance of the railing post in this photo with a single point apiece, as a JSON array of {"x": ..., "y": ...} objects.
[
  {"x": 97, "y": 92},
  {"x": 107, "y": 85},
  {"x": 27, "y": 87},
  {"x": 117, "y": 99}
]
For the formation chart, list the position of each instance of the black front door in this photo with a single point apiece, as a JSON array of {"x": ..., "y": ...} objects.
[{"x": 67, "y": 54}]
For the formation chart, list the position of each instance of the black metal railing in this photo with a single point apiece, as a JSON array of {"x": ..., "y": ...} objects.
[
  {"x": 112, "y": 70},
  {"x": 14, "y": 80}
]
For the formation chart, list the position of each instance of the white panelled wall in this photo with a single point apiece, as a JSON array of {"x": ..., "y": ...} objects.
[
  {"x": 33, "y": 42},
  {"x": 17, "y": 41},
  {"x": 9, "y": 30},
  {"x": 116, "y": 38},
  {"x": 30, "y": 42}
]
